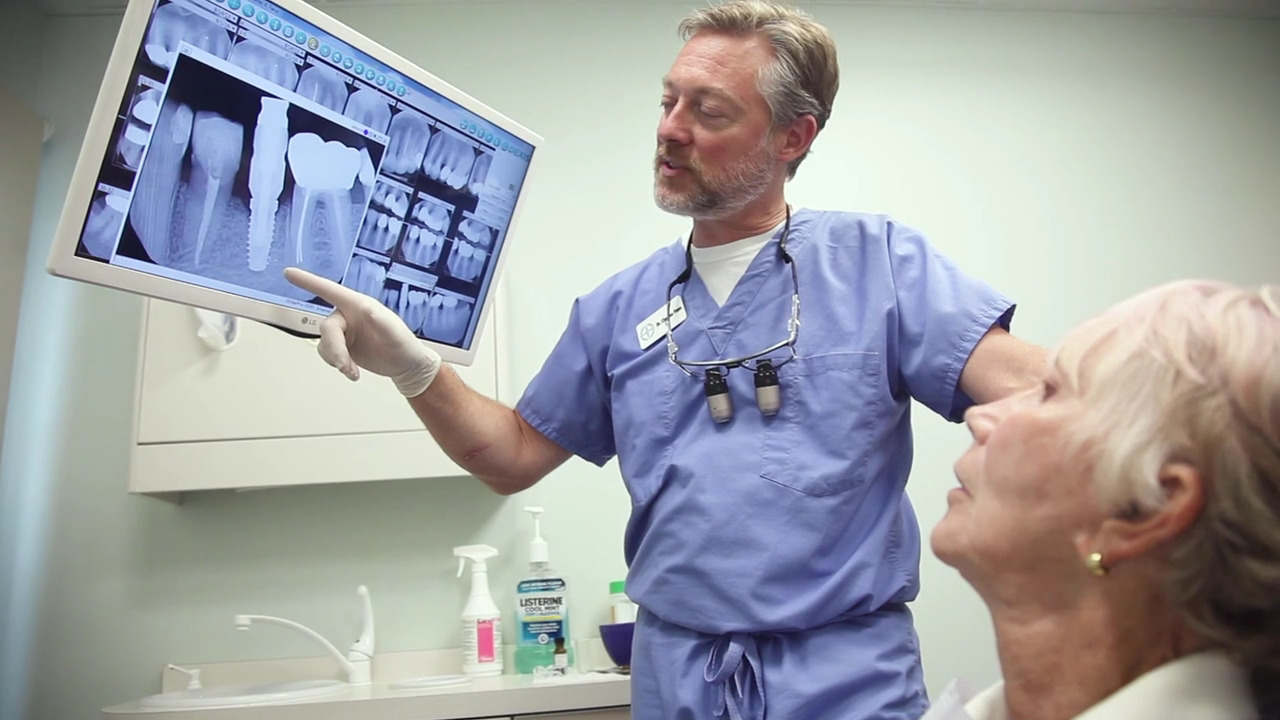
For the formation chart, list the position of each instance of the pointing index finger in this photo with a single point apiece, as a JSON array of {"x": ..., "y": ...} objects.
[{"x": 336, "y": 295}]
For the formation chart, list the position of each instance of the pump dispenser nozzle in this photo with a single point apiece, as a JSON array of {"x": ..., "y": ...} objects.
[{"x": 538, "y": 549}]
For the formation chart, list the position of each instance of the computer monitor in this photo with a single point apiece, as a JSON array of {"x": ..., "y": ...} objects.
[{"x": 234, "y": 138}]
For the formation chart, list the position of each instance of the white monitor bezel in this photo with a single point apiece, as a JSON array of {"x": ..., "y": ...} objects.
[{"x": 63, "y": 261}]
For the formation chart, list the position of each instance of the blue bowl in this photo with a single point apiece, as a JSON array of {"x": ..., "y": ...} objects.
[{"x": 617, "y": 641}]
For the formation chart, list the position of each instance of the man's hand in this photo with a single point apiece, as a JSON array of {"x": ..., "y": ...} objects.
[{"x": 363, "y": 333}]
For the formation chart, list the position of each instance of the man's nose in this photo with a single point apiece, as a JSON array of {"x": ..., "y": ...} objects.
[{"x": 673, "y": 128}]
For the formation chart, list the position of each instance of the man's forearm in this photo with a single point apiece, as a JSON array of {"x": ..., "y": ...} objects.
[
  {"x": 1002, "y": 365},
  {"x": 488, "y": 439}
]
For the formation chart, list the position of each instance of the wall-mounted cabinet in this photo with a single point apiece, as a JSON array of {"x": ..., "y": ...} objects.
[{"x": 267, "y": 411}]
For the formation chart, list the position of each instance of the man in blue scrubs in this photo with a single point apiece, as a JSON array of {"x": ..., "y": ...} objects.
[{"x": 766, "y": 440}]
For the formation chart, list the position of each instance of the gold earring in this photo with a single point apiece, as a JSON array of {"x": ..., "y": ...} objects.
[{"x": 1094, "y": 563}]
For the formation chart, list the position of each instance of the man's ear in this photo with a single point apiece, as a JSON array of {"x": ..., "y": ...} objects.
[
  {"x": 797, "y": 137},
  {"x": 1126, "y": 537}
]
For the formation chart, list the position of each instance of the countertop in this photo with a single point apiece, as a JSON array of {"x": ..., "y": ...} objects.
[{"x": 500, "y": 696}]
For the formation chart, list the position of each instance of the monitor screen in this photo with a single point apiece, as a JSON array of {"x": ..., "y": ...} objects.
[{"x": 234, "y": 138}]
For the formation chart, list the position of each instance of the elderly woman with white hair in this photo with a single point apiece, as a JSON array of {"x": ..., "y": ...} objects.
[{"x": 1122, "y": 522}]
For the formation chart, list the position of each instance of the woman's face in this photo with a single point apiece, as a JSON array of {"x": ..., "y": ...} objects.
[{"x": 1020, "y": 521}]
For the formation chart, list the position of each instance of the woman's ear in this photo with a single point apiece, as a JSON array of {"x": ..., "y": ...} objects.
[{"x": 1127, "y": 537}]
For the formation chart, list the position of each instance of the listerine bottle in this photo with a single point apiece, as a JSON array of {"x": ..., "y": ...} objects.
[{"x": 542, "y": 610}]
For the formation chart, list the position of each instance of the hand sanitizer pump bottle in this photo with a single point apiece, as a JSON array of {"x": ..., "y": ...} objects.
[
  {"x": 542, "y": 611},
  {"x": 481, "y": 619}
]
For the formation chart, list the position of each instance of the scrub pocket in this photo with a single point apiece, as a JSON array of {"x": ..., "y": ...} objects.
[
  {"x": 819, "y": 442},
  {"x": 643, "y": 425}
]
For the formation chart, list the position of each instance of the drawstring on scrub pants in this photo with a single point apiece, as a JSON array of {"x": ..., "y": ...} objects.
[{"x": 735, "y": 666}]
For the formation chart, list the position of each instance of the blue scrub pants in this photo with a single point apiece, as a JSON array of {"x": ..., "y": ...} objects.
[{"x": 865, "y": 667}]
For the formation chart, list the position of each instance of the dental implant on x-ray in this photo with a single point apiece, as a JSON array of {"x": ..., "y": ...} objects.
[
  {"x": 266, "y": 178},
  {"x": 267, "y": 63},
  {"x": 154, "y": 198},
  {"x": 449, "y": 160},
  {"x": 324, "y": 174},
  {"x": 369, "y": 108},
  {"x": 410, "y": 134},
  {"x": 217, "y": 146},
  {"x": 172, "y": 25}
]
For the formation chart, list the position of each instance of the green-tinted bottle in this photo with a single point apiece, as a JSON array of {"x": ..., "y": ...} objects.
[{"x": 542, "y": 609}]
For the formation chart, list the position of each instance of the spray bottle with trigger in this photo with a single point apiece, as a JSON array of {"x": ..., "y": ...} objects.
[{"x": 481, "y": 619}]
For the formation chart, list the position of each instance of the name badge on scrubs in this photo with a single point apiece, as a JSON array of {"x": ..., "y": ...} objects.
[{"x": 654, "y": 328}]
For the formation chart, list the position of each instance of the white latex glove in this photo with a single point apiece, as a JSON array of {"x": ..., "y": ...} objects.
[{"x": 363, "y": 333}]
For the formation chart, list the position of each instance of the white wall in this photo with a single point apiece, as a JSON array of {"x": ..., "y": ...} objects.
[{"x": 1069, "y": 159}]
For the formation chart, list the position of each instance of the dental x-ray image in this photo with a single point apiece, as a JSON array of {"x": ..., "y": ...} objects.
[
  {"x": 238, "y": 184},
  {"x": 385, "y": 219},
  {"x": 369, "y": 108},
  {"x": 323, "y": 86},
  {"x": 391, "y": 197},
  {"x": 133, "y": 132},
  {"x": 444, "y": 316},
  {"x": 449, "y": 159},
  {"x": 433, "y": 314},
  {"x": 420, "y": 247},
  {"x": 177, "y": 22},
  {"x": 424, "y": 235},
  {"x": 380, "y": 232},
  {"x": 267, "y": 60},
  {"x": 410, "y": 133},
  {"x": 432, "y": 214},
  {"x": 469, "y": 250},
  {"x": 367, "y": 275},
  {"x": 477, "y": 233},
  {"x": 466, "y": 261},
  {"x": 102, "y": 227},
  {"x": 480, "y": 173}
]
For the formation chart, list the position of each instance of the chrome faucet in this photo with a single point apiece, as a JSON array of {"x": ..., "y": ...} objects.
[{"x": 358, "y": 664}]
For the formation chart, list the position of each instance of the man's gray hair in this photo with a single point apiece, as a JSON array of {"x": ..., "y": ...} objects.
[{"x": 804, "y": 75}]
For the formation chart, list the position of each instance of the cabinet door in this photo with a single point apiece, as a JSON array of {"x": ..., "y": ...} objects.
[
  {"x": 268, "y": 412},
  {"x": 269, "y": 384}
]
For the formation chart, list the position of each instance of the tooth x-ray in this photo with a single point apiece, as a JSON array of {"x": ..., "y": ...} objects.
[
  {"x": 423, "y": 238},
  {"x": 231, "y": 140},
  {"x": 238, "y": 184},
  {"x": 267, "y": 60},
  {"x": 449, "y": 159},
  {"x": 185, "y": 22}
]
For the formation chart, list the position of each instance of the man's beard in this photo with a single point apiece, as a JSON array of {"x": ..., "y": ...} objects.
[{"x": 714, "y": 197}]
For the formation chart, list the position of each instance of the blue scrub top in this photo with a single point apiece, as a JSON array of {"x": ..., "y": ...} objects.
[{"x": 774, "y": 523}]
